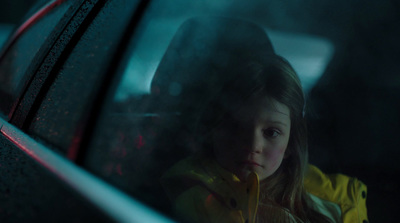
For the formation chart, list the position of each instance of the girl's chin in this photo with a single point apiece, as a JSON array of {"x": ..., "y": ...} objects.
[{"x": 243, "y": 174}]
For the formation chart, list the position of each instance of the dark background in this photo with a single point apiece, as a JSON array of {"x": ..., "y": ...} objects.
[
  {"x": 11, "y": 11},
  {"x": 353, "y": 111}
]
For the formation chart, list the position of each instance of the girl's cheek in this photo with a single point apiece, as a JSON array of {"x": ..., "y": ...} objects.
[{"x": 274, "y": 157}]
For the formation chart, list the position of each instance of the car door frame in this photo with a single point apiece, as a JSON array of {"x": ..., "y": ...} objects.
[{"x": 87, "y": 185}]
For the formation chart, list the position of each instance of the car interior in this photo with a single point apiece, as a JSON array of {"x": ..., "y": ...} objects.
[{"x": 346, "y": 55}]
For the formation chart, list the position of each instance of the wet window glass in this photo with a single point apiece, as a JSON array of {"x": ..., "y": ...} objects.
[
  {"x": 147, "y": 123},
  {"x": 20, "y": 60},
  {"x": 71, "y": 96}
]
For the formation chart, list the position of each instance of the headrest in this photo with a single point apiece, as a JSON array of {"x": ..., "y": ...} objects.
[{"x": 203, "y": 55}]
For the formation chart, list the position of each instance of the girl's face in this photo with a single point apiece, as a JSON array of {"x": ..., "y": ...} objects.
[{"x": 254, "y": 138}]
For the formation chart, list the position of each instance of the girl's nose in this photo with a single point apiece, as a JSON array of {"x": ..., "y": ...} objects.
[{"x": 251, "y": 141}]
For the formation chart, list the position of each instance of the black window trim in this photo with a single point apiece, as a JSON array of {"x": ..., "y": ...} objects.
[
  {"x": 79, "y": 147},
  {"x": 28, "y": 23},
  {"x": 44, "y": 48},
  {"x": 48, "y": 68},
  {"x": 47, "y": 72}
]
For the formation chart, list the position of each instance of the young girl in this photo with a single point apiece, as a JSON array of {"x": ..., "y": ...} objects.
[{"x": 247, "y": 107}]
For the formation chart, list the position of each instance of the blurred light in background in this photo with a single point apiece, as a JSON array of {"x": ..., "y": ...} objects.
[{"x": 309, "y": 56}]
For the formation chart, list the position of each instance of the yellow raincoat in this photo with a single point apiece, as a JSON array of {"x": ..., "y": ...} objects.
[{"x": 202, "y": 191}]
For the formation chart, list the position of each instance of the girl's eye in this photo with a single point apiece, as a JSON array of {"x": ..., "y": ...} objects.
[{"x": 271, "y": 133}]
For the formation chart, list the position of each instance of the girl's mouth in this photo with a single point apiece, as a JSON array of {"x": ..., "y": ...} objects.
[{"x": 250, "y": 163}]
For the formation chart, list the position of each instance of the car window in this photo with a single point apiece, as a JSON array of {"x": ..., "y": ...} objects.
[
  {"x": 64, "y": 109},
  {"x": 19, "y": 61},
  {"x": 140, "y": 134}
]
